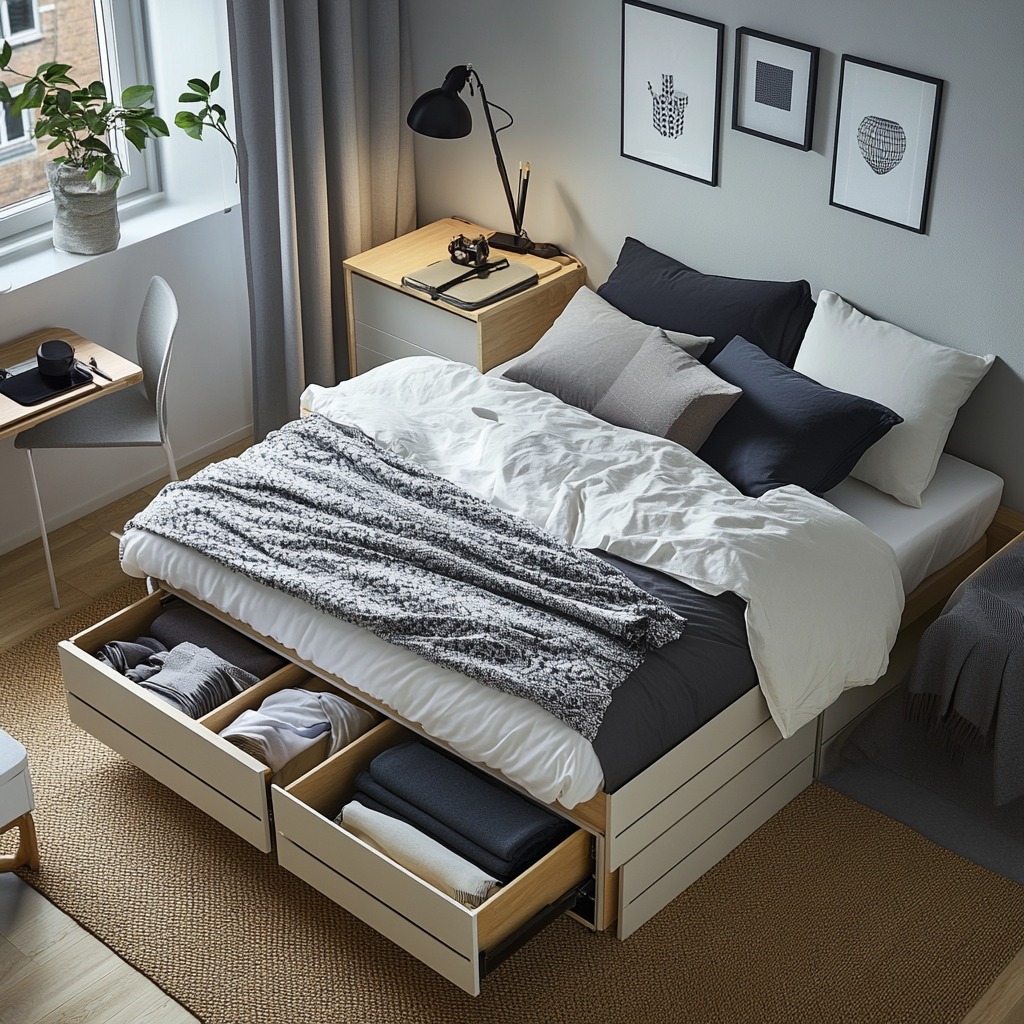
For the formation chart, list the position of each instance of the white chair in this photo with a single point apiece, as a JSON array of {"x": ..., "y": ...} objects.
[
  {"x": 133, "y": 417},
  {"x": 16, "y": 804}
]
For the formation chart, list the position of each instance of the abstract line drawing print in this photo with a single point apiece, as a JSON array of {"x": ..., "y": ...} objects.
[
  {"x": 668, "y": 108},
  {"x": 773, "y": 85},
  {"x": 882, "y": 143}
]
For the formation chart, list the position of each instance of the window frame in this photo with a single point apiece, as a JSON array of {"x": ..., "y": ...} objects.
[
  {"x": 124, "y": 57},
  {"x": 28, "y": 35},
  {"x": 11, "y": 149}
]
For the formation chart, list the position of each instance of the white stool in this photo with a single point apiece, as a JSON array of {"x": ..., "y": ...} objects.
[{"x": 16, "y": 804}]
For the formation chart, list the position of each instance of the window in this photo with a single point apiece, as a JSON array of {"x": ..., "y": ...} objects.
[
  {"x": 19, "y": 19},
  {"x": 15, "y": 134},
  {"x": 100, "y": 39}
]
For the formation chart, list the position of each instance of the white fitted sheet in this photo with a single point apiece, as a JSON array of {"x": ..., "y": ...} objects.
[{"x": 956, "y": 509}]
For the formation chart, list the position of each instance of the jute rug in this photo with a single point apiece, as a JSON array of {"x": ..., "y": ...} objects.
[{"x": 830, "y": 912}]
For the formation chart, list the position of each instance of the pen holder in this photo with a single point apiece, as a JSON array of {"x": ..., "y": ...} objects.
[{"x": 55, "y": 358}]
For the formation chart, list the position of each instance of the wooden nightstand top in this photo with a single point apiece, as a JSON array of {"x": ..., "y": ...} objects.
[{"x": 390, "y": 262}]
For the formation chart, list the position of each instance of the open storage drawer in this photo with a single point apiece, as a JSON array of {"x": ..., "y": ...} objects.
[
  {"x": 460, "y": 943},
  {"x": 184, "y": 754}
]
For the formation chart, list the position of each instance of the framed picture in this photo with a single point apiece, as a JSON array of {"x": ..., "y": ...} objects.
[
  {"x": 671, "y": 90},
  {"x": 886, "y": 126},
  {"x": 775, "y": 83}
]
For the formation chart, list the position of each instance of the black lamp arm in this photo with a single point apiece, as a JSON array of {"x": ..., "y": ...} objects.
[{"x": 516, "y": 224}]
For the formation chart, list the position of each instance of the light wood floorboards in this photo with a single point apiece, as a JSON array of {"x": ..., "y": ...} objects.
[{"x": 36, "y": 941}]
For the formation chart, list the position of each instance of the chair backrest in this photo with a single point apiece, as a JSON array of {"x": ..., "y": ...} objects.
[{"x": 157, "y": 323}]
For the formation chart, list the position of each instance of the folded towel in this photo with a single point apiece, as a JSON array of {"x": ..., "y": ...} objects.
[
  {"x": 460, "y": 799},
  {"x": 420, "y": 854},
  {"x": 292, "y": 720},
  {"x": 192, "y": 679},
  {"x": 376, "y": 797}
]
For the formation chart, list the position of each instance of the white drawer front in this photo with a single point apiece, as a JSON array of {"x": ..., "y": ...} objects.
[
  {"x": 425, "y": 325},
  {"x": 441, "y": 932},
  {"x": 187, "y": 756}
]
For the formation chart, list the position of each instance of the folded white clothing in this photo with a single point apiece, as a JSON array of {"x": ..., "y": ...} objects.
[
  {"x": 292, "y": 720},
  {"x": 424, "y": 857}
]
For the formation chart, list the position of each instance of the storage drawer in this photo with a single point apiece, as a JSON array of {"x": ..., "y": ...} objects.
[
  {"x": 425, "y": 325},
  {"x": 184, "y": 754},
  {"x": 460, "y": 943}
]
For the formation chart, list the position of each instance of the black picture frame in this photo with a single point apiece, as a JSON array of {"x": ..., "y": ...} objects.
[
  {"x": 887, "y": 125},
  {"x": 674, "y": 125},
  {"x": 775, "y": 81}
]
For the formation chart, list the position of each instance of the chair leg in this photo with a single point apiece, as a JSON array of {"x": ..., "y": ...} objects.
[
  {"x": 27, "y": 854},
  {"x": 42, "y": 528},
  {"x": 169, "y": 455}
]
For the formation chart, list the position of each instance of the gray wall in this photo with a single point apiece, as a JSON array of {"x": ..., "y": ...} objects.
[{"x": 555, "y": 65}]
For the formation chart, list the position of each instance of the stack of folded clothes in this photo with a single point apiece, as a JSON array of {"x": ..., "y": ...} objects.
[
  {"x": 190, "y": 659},
  {"x": 292, "y": 720},
  {"x": 458, "y": 807}
]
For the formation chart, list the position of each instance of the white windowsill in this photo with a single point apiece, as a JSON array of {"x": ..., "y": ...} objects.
[{"x": 141, "y": 218}]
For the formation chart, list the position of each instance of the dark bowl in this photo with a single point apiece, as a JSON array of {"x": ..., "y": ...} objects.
[{"x": 55, "y": 358}]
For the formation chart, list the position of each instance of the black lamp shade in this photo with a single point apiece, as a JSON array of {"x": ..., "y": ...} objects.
[{"x": 442, "y": 113}]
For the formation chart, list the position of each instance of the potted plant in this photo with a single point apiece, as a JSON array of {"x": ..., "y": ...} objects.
[{"x": 85, "y": 177}]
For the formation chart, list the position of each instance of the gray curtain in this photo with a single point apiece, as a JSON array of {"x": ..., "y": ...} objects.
[{"x": 326, "y": 170}]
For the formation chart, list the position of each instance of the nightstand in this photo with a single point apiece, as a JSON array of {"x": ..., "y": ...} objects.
[{"x": 387, "y": 321}]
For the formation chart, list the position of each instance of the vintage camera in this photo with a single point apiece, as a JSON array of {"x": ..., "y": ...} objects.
[{"x": 469, "y": 252}]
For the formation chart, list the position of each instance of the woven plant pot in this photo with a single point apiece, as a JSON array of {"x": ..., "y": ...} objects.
[{"x": 84, "y": 218}]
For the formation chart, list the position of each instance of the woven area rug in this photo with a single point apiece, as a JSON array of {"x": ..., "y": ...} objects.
[{"x": 830, "y": 912}]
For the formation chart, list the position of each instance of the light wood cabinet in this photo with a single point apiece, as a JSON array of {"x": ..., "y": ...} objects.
[{"x": 388, "y": 321}]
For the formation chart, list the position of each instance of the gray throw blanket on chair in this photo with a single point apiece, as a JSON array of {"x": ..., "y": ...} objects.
[
  {"x": 327, "y": 515},
  {"x": 967, "y": 682}
]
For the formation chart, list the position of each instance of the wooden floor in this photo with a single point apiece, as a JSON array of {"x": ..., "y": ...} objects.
[{"x": 37, "y": 942}]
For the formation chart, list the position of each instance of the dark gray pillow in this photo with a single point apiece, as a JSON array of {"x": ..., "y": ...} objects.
[
  {"x": 665, "y": 391},
  {"x": 650, "y": 286},
  {"x": 583, "y": 352}
]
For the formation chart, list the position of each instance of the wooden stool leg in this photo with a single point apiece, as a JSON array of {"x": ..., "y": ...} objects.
[{"x": 28, "y": 846}]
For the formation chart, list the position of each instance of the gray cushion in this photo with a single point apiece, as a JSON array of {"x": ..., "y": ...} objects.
[
  {"x": 665, "y": 391},
  {"x": 583, "y": 352}
]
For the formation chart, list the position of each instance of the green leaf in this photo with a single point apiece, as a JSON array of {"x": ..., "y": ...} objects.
[
  {"x": 97, "y": 89},
  {"x": 199, "y": 86},
  {"x": 191, "y": 97},
  {"x": 136, "y": 136},
  {"x": 5, "y": 54},
  {"x": 55, "y": 71},
  {"x": 215, "y": 81},
  {"x": 137, "y": 96},
  {"x": 157, "y": 127},
  {"x": 63, "y": 100},
  {"x": 185, "y": 119},
  {"x": 55, "y": 143},
  {"x": 5, "y": 93}
]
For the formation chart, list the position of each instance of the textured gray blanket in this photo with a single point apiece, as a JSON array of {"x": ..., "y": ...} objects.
[
  {"x": 967, "y": 682},
  {"x": 326, "y": 514}
]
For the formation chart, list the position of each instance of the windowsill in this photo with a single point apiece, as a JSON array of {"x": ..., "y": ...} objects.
[{"x": 35, "y": 259}]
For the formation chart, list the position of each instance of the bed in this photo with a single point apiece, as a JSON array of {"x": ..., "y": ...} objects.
[{"x": 797, "y": 576}]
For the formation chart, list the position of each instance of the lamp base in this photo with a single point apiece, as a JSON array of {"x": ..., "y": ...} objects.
[{"x": 505, "y": 242}]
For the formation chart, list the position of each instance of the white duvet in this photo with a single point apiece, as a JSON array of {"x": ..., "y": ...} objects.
[{"x": 823, "y": 593}]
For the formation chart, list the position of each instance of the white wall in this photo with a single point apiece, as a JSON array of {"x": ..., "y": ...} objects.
[
  {"x": 556, "y": 67},
  {"x": 198, "y": 250}
]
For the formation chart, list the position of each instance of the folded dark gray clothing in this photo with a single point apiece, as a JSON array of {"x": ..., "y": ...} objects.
[
  {"x": 194, "y": 679},
  {"x": 374, "y": 796},
  {"x": 180, "y": 621},
  {"x": 492, "y": 816},
  {"x": 123, "y": 655}
]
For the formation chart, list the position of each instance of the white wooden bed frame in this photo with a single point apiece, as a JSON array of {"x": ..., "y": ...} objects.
[{"x": 648, "y": 841}]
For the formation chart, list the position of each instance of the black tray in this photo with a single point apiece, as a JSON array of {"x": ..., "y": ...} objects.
[{"x": 30, "y": 387}]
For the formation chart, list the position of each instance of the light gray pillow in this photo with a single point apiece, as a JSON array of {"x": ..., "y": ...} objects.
[
  {"x": 583, "y": 352},
  {"x": 664, "y": 391}
]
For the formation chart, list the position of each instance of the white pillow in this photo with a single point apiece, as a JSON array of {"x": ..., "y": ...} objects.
[{"x": 923, "y": 382}]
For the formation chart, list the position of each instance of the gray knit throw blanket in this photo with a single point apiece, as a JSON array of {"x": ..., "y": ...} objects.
[
  {"x": 967, "y": 681},
  {"x": 325, "y": 514}
]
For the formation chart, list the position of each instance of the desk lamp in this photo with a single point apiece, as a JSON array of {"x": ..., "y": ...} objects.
[{"x": 443, "y": 114}]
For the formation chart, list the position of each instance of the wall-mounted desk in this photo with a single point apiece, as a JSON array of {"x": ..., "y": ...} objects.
[{"x": 15, "y": 418}]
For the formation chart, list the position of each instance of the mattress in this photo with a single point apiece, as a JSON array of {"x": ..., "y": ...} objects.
[
  {"x": 526, "y": 744},
  {"x": 956, "y": 509}
]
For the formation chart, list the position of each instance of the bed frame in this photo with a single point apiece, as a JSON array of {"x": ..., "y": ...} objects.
[{"x": 661, "y": 831}]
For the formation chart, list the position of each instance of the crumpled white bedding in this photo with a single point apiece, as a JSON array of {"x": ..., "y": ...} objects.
[{"x": 823, "y": 593}]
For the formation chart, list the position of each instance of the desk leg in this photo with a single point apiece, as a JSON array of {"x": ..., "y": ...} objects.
[
  {"x": 28, "y": 845},
  {"x": 42, "y": 528}
]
